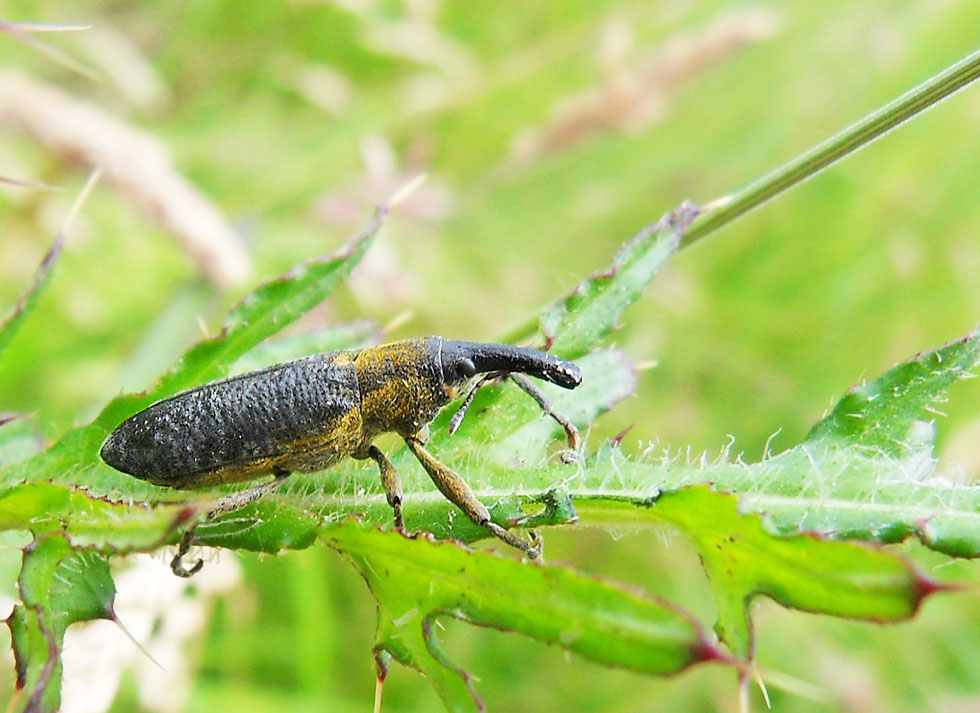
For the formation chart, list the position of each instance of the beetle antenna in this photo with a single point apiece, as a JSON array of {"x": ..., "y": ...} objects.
[{"x": 457, "y": 418}]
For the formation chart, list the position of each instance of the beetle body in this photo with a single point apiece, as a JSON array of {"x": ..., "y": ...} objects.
[
  {"x": 299, "y": 416},
  {"x": 307, "y": 414}
]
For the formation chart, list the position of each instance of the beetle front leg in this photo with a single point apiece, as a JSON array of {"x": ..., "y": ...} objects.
[
  {"x": 571, "y": 432},
  {"x": 391, "y": 483},
  {"x": 458, "y": 492}
]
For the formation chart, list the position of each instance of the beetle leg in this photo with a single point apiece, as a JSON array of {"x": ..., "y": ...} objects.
[
  {"x": 571, "y": 432},
  {"x": 228, "y": 503},
  {"x": 391, "y": 483},
  {"x": 176, "y": 564},
  {"x": 461, "y": 411},
  {"x": 458, "y": 492}
]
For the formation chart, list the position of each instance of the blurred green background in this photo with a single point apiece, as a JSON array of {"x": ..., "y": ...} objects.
[{"x": 551, "y": 132}]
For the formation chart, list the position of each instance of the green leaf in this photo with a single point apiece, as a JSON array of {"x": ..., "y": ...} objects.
[
  {"x": 42, "y": 276},
  {"x": 19, "y": 438},
  {"x": 270, "y": 526},
  {"x": 844, "y": 481},
  {"x": 259, "y": 315},
  {"x": 868, "y": 470},
  {"x": 885, "y": 414},
  {"x": 740, "y": 552},
  {"x": 58, "y": 587},
  {"x": 25, "y": 305},
  {"x": 89, "y": 522},
  {"x": 415, "y": 581},
  {"x": 577, "y": 323},
  {"x": 307, "y": 506},
  {"x": 743, "y": 559}
]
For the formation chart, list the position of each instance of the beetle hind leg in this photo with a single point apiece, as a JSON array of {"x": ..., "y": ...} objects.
[
  {"x": 460, "y": 494},
  {"x": 228, "y": 503},
  {"x": 177, "y": 563}
]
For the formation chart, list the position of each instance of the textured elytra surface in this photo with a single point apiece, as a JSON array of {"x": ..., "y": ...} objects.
[{"x": 302, "y": 415}]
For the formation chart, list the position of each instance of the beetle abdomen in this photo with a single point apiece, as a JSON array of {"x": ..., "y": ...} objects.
[{"x": 301, "y": 415}]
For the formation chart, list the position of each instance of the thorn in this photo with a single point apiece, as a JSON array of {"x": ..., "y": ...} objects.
[
  {"x": 797, "y": 686},
  {"x": 743, "y": 692},
  {"x": 928, "y": 587},
  {"x": 379, "y": 686},
  {"x": 203, "y": 327},
  {"x": 8, "y": 416},
  {"x": 381, "y": 660},
  {"x": 14, "y": 700},
  {"x": 80, "y": 199},
  {"x": 717, "y": 203},
  {"x": 618, "y": 438},
  {"x": 42, "y": 27},
  {"x": 397, "y": 321},
  {"x": 646, "y": 365},
  {"x": 405, "y": 191},
  {"x": 137, "y": 644},
  {"x": 30, "y": 184},
  {"x": 762, "y": 685}
]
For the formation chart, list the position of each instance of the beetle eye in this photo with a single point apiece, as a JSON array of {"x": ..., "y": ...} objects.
[{"x": 466, "y": 367}]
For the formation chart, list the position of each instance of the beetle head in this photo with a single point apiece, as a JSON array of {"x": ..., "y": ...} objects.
[{"x": 462, "y": 360}]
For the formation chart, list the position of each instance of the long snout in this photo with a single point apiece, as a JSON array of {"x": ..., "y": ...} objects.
[{"x": 507, "y": 358}]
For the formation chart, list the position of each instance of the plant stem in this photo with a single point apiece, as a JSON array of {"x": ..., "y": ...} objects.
[
  {"x": 726, "y": 209},
  {"x": 856, "y": 136}
]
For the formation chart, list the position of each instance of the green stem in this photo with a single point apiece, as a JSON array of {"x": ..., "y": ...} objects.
[
  {"x": 726, "y": 209},
  {"x": 856, "y": 136}
]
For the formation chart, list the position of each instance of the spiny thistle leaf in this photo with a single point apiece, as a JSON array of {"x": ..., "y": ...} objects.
[
  {"x": 58, "y": 586},
  {"x": 885, "y": 414},
  {"x": 416, "y": 581}
]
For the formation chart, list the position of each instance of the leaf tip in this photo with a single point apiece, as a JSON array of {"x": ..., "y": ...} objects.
[{"x": 926, "y": 586}]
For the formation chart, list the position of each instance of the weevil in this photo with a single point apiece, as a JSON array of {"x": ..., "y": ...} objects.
[{"x": 307, "y": 414}]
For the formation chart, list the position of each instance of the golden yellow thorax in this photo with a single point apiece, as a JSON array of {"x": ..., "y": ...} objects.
[{"x": 401, "y": 385}]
